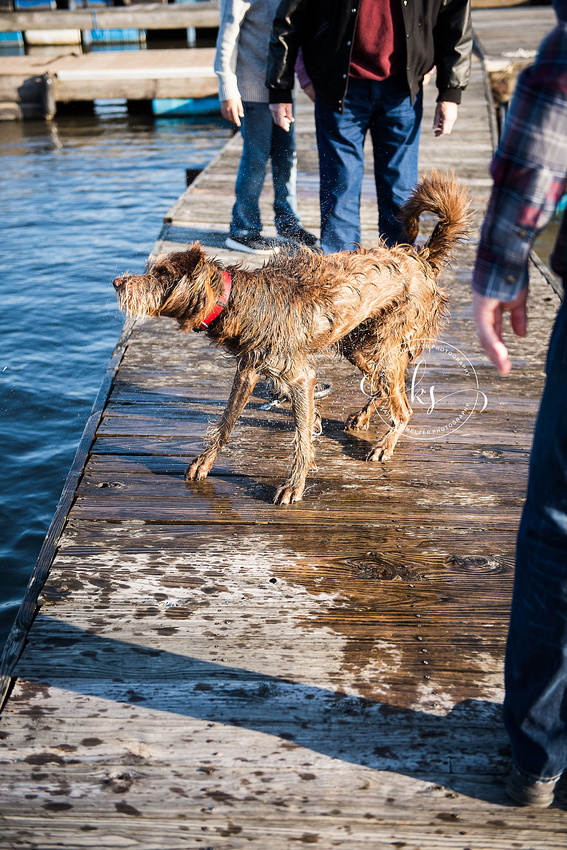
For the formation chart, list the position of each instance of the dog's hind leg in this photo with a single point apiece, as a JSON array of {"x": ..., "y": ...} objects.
[
  {"x": 303, "y": 406},
  {"x": 242, "y": 386},
  {"x": 399, "y": 409},
  {"x": 360, "y": 420}
]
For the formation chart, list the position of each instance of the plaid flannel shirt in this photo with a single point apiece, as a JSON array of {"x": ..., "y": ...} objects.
[{"x": 529, "y": 171}]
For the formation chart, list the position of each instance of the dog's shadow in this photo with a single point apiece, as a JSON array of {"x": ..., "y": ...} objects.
[
  {"x": 353, "y": 444},
  {"x": 170, "y": 456}
]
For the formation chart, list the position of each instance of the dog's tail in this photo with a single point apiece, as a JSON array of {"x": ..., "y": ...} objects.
[{"x": 444, "y": 197}]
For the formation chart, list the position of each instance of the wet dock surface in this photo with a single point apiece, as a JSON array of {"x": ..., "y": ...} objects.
[{"x": 209, "y": 670}]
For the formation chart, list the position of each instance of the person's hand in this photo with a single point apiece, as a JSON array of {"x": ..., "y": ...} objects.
[
  {"x": 282, "y": 113},
  {"x": 445, "y": 117},
  {"x": 232, "y": 110},
  {"x": 488, "y": 313},
  {"x": 309, "y": 91}
]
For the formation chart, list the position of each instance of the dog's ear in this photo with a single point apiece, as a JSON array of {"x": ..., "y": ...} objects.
[
  {"x": 182, "y": 261},
  {"x": 154, "y": 259},
  {"x": 193, "y": 257},
  {"x": 180, "y": 264},
  {"x": 192, "y": 291}
]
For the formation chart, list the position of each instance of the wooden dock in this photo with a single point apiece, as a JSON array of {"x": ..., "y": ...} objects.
[
  {"x": 33, "y": 86},
  {"x": 509, "y": 42},
  {"x": 207, "y": 670}
]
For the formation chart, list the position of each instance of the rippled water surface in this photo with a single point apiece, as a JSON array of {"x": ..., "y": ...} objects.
[{"x": 81, "y": 200}]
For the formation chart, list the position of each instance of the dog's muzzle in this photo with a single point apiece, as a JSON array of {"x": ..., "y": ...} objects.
[{"x": 119, "y": 282}]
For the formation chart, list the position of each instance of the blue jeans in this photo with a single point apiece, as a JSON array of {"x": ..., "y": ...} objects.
[
  {"x": 262, "y": 140},
  {"x": 384, "y": 109},
  {"x": 535, "y": 705}
]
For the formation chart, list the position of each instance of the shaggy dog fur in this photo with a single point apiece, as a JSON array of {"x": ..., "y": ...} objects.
[{"x": 378, "y": 307}]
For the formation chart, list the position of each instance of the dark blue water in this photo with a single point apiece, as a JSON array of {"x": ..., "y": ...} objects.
[{"x": 81, "y": 200}]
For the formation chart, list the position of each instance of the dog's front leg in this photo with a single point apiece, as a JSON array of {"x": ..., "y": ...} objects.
[
  {"x": 242, "y": 386},
  {"x": 303, "y": 406}
]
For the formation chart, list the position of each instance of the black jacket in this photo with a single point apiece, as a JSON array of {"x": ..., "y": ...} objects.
[{"x": 439, "y": 32}]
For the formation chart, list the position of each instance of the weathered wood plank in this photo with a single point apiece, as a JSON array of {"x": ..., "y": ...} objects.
[
  {"x": 513, "y": 30},
  {"x": 242, "y": 499},
  {"x": 147, "y": 16}
]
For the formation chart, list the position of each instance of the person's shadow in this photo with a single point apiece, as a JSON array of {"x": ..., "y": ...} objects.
[{"x": 467, "y": 742}]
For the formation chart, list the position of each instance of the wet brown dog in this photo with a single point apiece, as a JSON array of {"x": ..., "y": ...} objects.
[{"x": 379, "y": 308}]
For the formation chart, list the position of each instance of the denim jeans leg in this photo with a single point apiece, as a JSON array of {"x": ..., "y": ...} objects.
[
  {"x": 284, "y": 178},
  {"x": 535, "y": 705},
  {"x": 340, "y": 140},
  {"x": 395, "y": 131},
  {"x": 256, "y": 143}
]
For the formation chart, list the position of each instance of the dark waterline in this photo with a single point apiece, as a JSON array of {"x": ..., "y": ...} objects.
[{"x": 81, "y": 200}]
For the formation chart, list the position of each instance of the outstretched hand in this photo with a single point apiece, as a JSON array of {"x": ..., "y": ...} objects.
[{"x": 488, "y": 314}]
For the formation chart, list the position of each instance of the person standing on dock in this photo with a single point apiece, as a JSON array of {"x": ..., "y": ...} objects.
[
  {"x": 530, "y": 176},
  {"x": 240, "y": 65},
  {"x": 367, "y": 60}
]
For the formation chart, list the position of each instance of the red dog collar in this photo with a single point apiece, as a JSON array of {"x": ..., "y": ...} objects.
[{"x": 221, "y": 303}]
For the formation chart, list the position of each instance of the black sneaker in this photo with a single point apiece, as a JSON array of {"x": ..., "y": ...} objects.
[
  {"x": 253, "y": 244},
  {"x": 320, "y": 391},
  {"x": 301, "y": 236},
  {"x": 530, "y": 792}
]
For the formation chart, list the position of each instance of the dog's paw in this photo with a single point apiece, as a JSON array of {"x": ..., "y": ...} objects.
[
  {"x": 287, "y": 493},
  {"x": 199, "y": 469},
  {"x": 381, "y": 451},
  {"x": 357, "y": 422},
  {"x": 317, "y": 427}
]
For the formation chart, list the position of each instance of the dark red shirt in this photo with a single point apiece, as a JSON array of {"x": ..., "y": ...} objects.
[{"x": 379, "y": 49}]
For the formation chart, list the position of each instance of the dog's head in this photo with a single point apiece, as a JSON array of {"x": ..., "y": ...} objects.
[{"x": 177, "y": 285}]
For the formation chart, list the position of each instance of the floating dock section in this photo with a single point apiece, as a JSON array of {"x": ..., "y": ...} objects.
[{"x": 33, "y": 86}]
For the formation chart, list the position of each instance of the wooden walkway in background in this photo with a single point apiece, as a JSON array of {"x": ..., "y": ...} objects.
[
  {"x": 146, "y": 16},
  {"x": 207, "y": 670},
  {"x": 31, "y": 86},
  {"x": 130, "y": 75}
]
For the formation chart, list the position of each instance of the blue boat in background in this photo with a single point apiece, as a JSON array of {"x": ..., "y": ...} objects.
[{"x": 180, "y": 108}]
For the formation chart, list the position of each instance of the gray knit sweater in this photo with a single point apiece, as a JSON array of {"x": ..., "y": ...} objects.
[{"x": 242, "y": 48}]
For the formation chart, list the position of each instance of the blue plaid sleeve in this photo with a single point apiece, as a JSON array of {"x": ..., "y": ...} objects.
[{"x": 529, "y": 172}]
